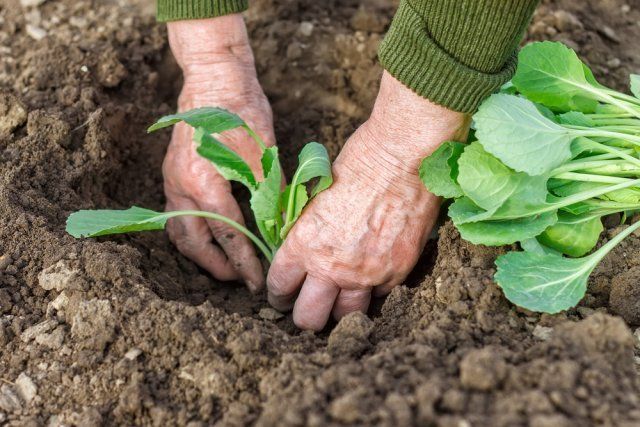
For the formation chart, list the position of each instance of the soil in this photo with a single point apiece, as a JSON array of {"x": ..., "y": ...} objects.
[{"x": 126, "y": 331}]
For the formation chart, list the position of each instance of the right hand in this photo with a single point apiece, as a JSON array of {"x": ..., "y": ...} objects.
[{"x": 219, "y": 71}]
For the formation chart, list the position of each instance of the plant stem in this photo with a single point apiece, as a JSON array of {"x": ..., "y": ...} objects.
[
  {"x": 620, "y": 153},
  {"x": 584, "y": 177},
  {"x": 615, "y": 122},
  {"x": 605, "y": 96},
  {"x": 596, "y": 132},
  {"x": 596, "y": 116},
  {"x": 216, "y": 217},
  {"x": 570, "y": 200},
  {"x": 255, "y": 137},
  {"x": 623, "y": 97},
  {"x": 580, "y": 165},
  {"x": 606, "y": 248}
]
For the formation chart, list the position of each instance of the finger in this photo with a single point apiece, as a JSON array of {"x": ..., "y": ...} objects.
[
  {"x": 235, "y": 244},
  {"x": 349, "y": 301},
  {"x": 314, "y": 303},
  {"x": 384, "y": 289},
  {"x": 284, "y": 279},
  {"x": 193, "y": 239}
]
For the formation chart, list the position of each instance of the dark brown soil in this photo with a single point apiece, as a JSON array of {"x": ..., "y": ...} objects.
[{"x": 125, "y": 331}]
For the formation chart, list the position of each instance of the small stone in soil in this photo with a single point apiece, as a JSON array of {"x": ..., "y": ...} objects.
[
  {"x": 60, "y": 277},
  {"x": 566, "y": 21},
  {"x": 25, "y": 387},
  {"x": 306, "y": 28},
  {"x": 13, "y": 114},
  {"x": 9, "y": 400},
  {"x": 610, "y": 33},
  {"x": 32, "y": 332},
  {"x": 268, "y": 313},
  {"x": 133, "y": 354},
  {"x": 543, "y": 333},
  {"x": 5, "y": 260},
  {"x": 53, "y": 340},
  {"x": 31, "y": 3},
  {"x": 35, "y": 32}
]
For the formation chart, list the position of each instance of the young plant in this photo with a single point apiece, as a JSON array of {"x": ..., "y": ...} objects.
[
  {"x": 275, "y": 210},
  {"x": 555, "y": 152}
]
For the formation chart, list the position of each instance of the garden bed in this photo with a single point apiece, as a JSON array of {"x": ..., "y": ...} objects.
[{"x": 125, "y": 331}]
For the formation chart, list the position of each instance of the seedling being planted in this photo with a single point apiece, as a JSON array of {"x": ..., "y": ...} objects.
[
  {"x": 555, "y": 152},
  {"x": 275, "y": 210}
]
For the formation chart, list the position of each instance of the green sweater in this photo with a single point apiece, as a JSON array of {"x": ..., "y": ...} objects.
[{"x": 452, "y": 52}]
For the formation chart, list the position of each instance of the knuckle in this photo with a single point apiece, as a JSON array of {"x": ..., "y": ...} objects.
[
  {"x": 275, "y": 283},
  {"x": 188, "y": 245}
]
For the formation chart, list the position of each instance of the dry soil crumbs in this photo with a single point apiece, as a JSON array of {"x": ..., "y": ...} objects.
[{"x": 125, "y": 331}]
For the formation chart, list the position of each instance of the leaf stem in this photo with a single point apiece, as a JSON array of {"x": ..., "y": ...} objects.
[
  {"x": 255, "y": 137},
  {"x": 619, "y": 153},
  {"x": 570, "y": 200},
  {"x": 623, "y": 97},
  {"x": 605, "y": 96},
  {"x": 606, "y": 248},
  {"x": 590, "y": 132},
  {"x": 580, "y": 165},
  {"x": 584, "y": 177},
  {"x": 216, "y": 217}
]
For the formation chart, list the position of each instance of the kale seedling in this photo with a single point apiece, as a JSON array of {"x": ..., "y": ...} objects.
[
  {"x": 275, "y": 210},
  {"x": 555, "y": 152}
]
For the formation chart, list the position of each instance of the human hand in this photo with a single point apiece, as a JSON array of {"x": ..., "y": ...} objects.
[
  {"x": 218, "y": 68},
  {"x": 366, "y": 232}
]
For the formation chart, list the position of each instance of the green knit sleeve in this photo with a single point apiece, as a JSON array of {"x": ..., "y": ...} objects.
[
  {"x": 175, "y": 10},
  {"x": 455, "y": 52}
]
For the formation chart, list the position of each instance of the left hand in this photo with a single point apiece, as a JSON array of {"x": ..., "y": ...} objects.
[{"x": 368, "y": 229}]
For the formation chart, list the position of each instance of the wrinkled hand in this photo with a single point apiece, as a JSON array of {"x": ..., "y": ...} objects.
[
  {"x": 219, "y": 71},
  {"x": 366, "y": 232}
]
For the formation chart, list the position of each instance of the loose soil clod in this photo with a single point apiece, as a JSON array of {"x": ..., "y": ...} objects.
[{"x": 450, "y": 351}]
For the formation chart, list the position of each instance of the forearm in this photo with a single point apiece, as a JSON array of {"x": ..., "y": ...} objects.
[{"x": 455, "y": 52}]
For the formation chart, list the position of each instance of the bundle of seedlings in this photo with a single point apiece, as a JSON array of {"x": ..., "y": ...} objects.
[
  {"x": 552, "y": 154},
  {"x": 275, "y": 207}
]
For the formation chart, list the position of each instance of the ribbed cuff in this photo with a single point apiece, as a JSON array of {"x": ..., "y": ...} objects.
[
  {"x": 455, "y": 52},
  {"x": 176, "y": 10}
]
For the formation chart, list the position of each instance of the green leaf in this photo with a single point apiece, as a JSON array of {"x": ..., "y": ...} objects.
[
  {"x": 533, "y": 245},
  {"x": 265, "y": 200},
  {"x": 439, "y": 171},
  {"x": 550, "y": 283},
  {"x": 269, "y": 155},
  {"x": 552, "y": 74},
  {"x": 484, "y": 179},
  {"x": 512, "y": 129},
  {"x": 463, "y": 210},
  {"x": 547, "y": 283},
  {"x": 573, "y": 235},
  {"x": 635, "y": 85},
  {"x": 313, "y": 162},
  {"x": 322, "y": 184},
  {"x": 506, "y": 232},
  {"x": 93, "y": 223},
  {"x": 576, "y": 118},
  {"x": 230, "y": 165},
  {"x": 211, "y": 119}
]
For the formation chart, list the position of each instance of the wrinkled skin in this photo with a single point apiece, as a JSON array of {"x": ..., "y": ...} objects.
[
  {"x": 361, "y": 236},
  {"x": 219, "y": 70},
  {"x": 365, "y": 233}
]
